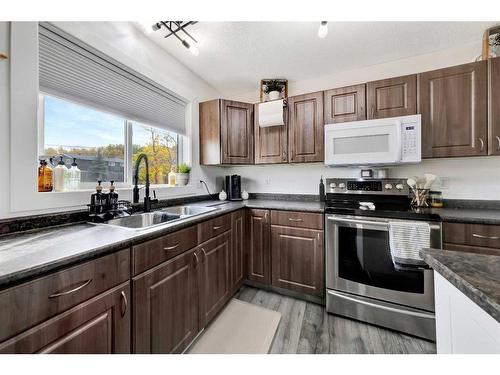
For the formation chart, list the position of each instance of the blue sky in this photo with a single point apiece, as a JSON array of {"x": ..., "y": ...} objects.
[{"x": 70, "y": 124}]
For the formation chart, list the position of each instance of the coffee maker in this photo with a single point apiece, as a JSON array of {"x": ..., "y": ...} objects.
[{"x": 232, "y": 186}]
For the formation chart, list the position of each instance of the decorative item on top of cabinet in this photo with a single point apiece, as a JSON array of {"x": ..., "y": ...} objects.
[
  {"x": 271, "y": 143},
  {"x": 392, "y": 97},
  {"x": 226, "y": 132},
  {"x": 273, "y": 85},
  {"x": 345, "y": 104},
  {"x": 258, "y": 252},
  {"x": 453, "y": 105},
  {"x": 494, "y": 106},
  {"x": 306, "y": 128}
]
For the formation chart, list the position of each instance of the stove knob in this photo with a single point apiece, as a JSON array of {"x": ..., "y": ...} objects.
[
  {"x": 388, "y": 186},
  {"x": 400, "y": 186},
  {"x": 333, "y": 185},
  {"x": 342, "y": 185}
]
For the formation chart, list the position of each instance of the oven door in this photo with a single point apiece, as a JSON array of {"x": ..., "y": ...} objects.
[{"x": 359, "y": 262}]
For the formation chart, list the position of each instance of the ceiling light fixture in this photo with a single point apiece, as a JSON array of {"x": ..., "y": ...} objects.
[
  {"x": 175, "y": 27},
  {"x": 323, "y": 29}
]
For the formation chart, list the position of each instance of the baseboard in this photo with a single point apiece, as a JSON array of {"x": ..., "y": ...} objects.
[{"x": 286, "y": 292}]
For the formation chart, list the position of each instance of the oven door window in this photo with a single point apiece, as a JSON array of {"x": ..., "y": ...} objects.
[{"x": 365, "y": 257}]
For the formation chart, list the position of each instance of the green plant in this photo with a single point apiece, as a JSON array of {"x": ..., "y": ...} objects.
[
  {"x": 183, "y": 168},
  {"x": 273, "y": 85}
]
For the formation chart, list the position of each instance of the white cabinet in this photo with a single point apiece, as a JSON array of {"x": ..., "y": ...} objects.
[{"x": 462, "y": 326}]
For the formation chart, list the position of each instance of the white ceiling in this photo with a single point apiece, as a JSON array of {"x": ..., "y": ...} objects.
[{"x": 235, "y": 56}]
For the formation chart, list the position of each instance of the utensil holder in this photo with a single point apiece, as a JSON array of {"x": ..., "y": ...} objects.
[{"x": 419, "y": 197}]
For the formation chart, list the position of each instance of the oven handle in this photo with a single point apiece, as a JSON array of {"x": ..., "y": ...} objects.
[{"x": 370, "y": 222}]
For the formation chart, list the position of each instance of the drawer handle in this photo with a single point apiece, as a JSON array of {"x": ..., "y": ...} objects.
[
  {"x": 217, "y": 227},
  {"x": 485, "y": 237},
  {"x": 498, "y": 142},
  {"x": 124, "y": 306},
  {"x": 482, "y": 144},
  {"x": 81, "y": 286},
  {"x": 171, "y": 247},
  {"x": 196, "y": 259},
  {"x": 204, "y": 254},
  {"x": 292, "y": 219}
]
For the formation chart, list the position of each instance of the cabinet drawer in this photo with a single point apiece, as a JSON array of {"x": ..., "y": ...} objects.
[
  {"x": 26, "y": 305},
  {"x": 472, "y": 234},
  {"x": 471, "y": 249},
  {"x": 213, "y": 227},
  {"x": 151, "y": 253},
  {"x": 297, "y": 219}
]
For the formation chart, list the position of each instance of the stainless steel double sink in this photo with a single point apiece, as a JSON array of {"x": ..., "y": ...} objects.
[{"x": 148, "y": 220}]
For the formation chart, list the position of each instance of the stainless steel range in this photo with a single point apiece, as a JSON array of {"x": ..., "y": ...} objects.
[{"x": 361, "y": 279}]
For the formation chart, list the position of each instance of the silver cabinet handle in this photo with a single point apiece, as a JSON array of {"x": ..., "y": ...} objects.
[
  {"x": 498, "y": 142},
  {"x": 124, "y": 305},
  {"x": 217, "y": 227},
  {"x": 482, "y": 144},
  {"x": 196, "y": 259},
  {"x": 204, "y": 254},
  {"x": 171, "y": 247},
  {"x": 485, "y": 237},
  {"x": 292, "y": 219},
  {"x": 81, "y": 286}
]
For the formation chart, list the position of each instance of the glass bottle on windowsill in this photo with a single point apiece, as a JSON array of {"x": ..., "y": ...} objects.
[
  {"x": 171, "y": 177},
  {"x": 60, "y": 176}
]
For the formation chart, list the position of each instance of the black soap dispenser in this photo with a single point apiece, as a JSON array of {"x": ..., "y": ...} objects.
[
  {"x": 321, "y": 190},
  {"x": 96, "y": 199},
  {"x": 112, "y": 197}
]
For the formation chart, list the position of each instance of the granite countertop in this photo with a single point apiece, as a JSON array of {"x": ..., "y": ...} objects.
[
  {"x": 29, "y": 254},
  {"x": 475, "y": 275},
  {"x": 469, "y": 215}
]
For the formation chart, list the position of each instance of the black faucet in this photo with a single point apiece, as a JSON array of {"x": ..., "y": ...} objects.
[{"x": 147, "y": 199}]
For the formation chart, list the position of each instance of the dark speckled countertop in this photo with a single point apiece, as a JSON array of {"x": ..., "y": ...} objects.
[
  {"x": 475, "y": 275},
  {"x": 25, "y": 255}
]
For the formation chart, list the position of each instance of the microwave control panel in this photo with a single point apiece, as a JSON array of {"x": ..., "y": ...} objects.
[{"x": 411, "y": 148}]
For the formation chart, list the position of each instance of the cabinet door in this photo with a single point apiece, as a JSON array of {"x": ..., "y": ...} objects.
[
  {"x": 166, "y": 306},
  {"x": 215, "y": 288},
  {"x": 237, "y": 132},
  {"x": 494, "y": 106},
  {"x": 298, "y": 259},
  {"x": 392, "y": 97},
  {"x": 345, "y": 104},
  {"x": 100, "y": 325},
  {"x": 306, "y": 128},
  {"x": 271, "y": 143},
  {"x": 237, "y": 249},
  {"x": 210, "y": 135},
  {"x": 453, "y": 104},
  {"x": 258, "y": 257}
]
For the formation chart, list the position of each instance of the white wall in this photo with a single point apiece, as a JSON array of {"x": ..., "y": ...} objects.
[
  {"x": 463, "y": 178},
  {"x": 126, "y": 44}
]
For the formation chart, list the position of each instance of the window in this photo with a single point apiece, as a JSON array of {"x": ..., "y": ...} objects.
[{"x": 99, "y": 141}]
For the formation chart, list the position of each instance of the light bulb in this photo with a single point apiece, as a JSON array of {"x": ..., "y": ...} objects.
[
  {"x": 147, "y": 26},
  {"x": 194, "y": 50},
  {"x": 323, "y": 29}
]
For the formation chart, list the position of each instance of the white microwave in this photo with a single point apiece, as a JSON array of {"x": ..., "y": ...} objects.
[{"x": 388, "y": 141}]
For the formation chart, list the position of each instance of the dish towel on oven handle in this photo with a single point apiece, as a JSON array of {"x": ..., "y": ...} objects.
[{"x": 406, "y": 239}]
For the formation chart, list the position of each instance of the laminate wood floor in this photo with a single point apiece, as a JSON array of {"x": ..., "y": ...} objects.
[{"x": 307, "y": 328}]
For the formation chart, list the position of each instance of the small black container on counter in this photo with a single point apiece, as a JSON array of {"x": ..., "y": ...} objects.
[{"x": 321, "y": 190}]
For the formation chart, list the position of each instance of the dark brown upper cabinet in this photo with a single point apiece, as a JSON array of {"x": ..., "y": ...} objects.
[
  {"x": 345, "y": 104},
  {"x": 271, "y": 143},
  {"x": 306, "y": 128},
  {"x": 226, "y": 132},
  {"x": 453, "y": 105},
  {"x": 392, "y": 97},
  {"x": 494, "y": 106}
]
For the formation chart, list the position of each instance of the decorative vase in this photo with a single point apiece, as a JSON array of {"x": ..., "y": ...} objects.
[
  {"x": 273, "y": 95},
  {"x": 181, "y": 179},
  {"x": 244, "y": 195},
  {"x": 222, "y": 195}
]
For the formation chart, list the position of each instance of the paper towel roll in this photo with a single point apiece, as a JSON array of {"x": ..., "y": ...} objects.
[{"x": 271, "y": 113}]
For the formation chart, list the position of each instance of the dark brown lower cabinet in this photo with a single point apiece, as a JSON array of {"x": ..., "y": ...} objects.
[
  {"x": 100, "y": 325},
  {"x": 215, "y": 277},
  {"x": 166, "y": 306},
  {"x": 237, "y": 249},
  {"x": 258, "y": 254},
  {"x": 298, "y": 259}
]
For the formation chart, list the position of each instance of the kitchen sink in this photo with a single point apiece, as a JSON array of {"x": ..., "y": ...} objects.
[{"x": 148, "y": 220}]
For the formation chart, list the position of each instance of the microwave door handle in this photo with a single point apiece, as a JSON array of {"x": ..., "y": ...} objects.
[{"x": 399, "y": 152}]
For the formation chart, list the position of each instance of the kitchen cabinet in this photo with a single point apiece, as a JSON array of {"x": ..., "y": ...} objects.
[
  {"x": 462, "y": 327},
  {"x": 345, "y": 104},
  {"x": 476, "y": 238},
  {"x": 453, "y": 105},
  {"x": 237, "y": 249},
  {"x": 215, "y": 276},
  {"x": 100, "y": 325},
  {"x": 258, "y": 253},
  {"x": 392, "y": 97},
  {"x": 305, "y": 128},
  {"x": 226, "y": 132},
  {"x": 166, "y": 306},
  {"x": 271, "y": 143},
  {"x": 494, "y": 106}
]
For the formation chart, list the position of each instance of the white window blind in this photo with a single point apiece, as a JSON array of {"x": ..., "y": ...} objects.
[{"x": 72, "y": 69}]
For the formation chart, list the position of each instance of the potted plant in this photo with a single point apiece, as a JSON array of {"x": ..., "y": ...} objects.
[
  {"x": 273, "y": 89},
  {"x": 182, "y": 175}
]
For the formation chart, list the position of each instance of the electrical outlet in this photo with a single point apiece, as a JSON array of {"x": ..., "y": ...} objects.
[
  {"x": 444, "y": 183},
  {"x": 267, "y": 181}
]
